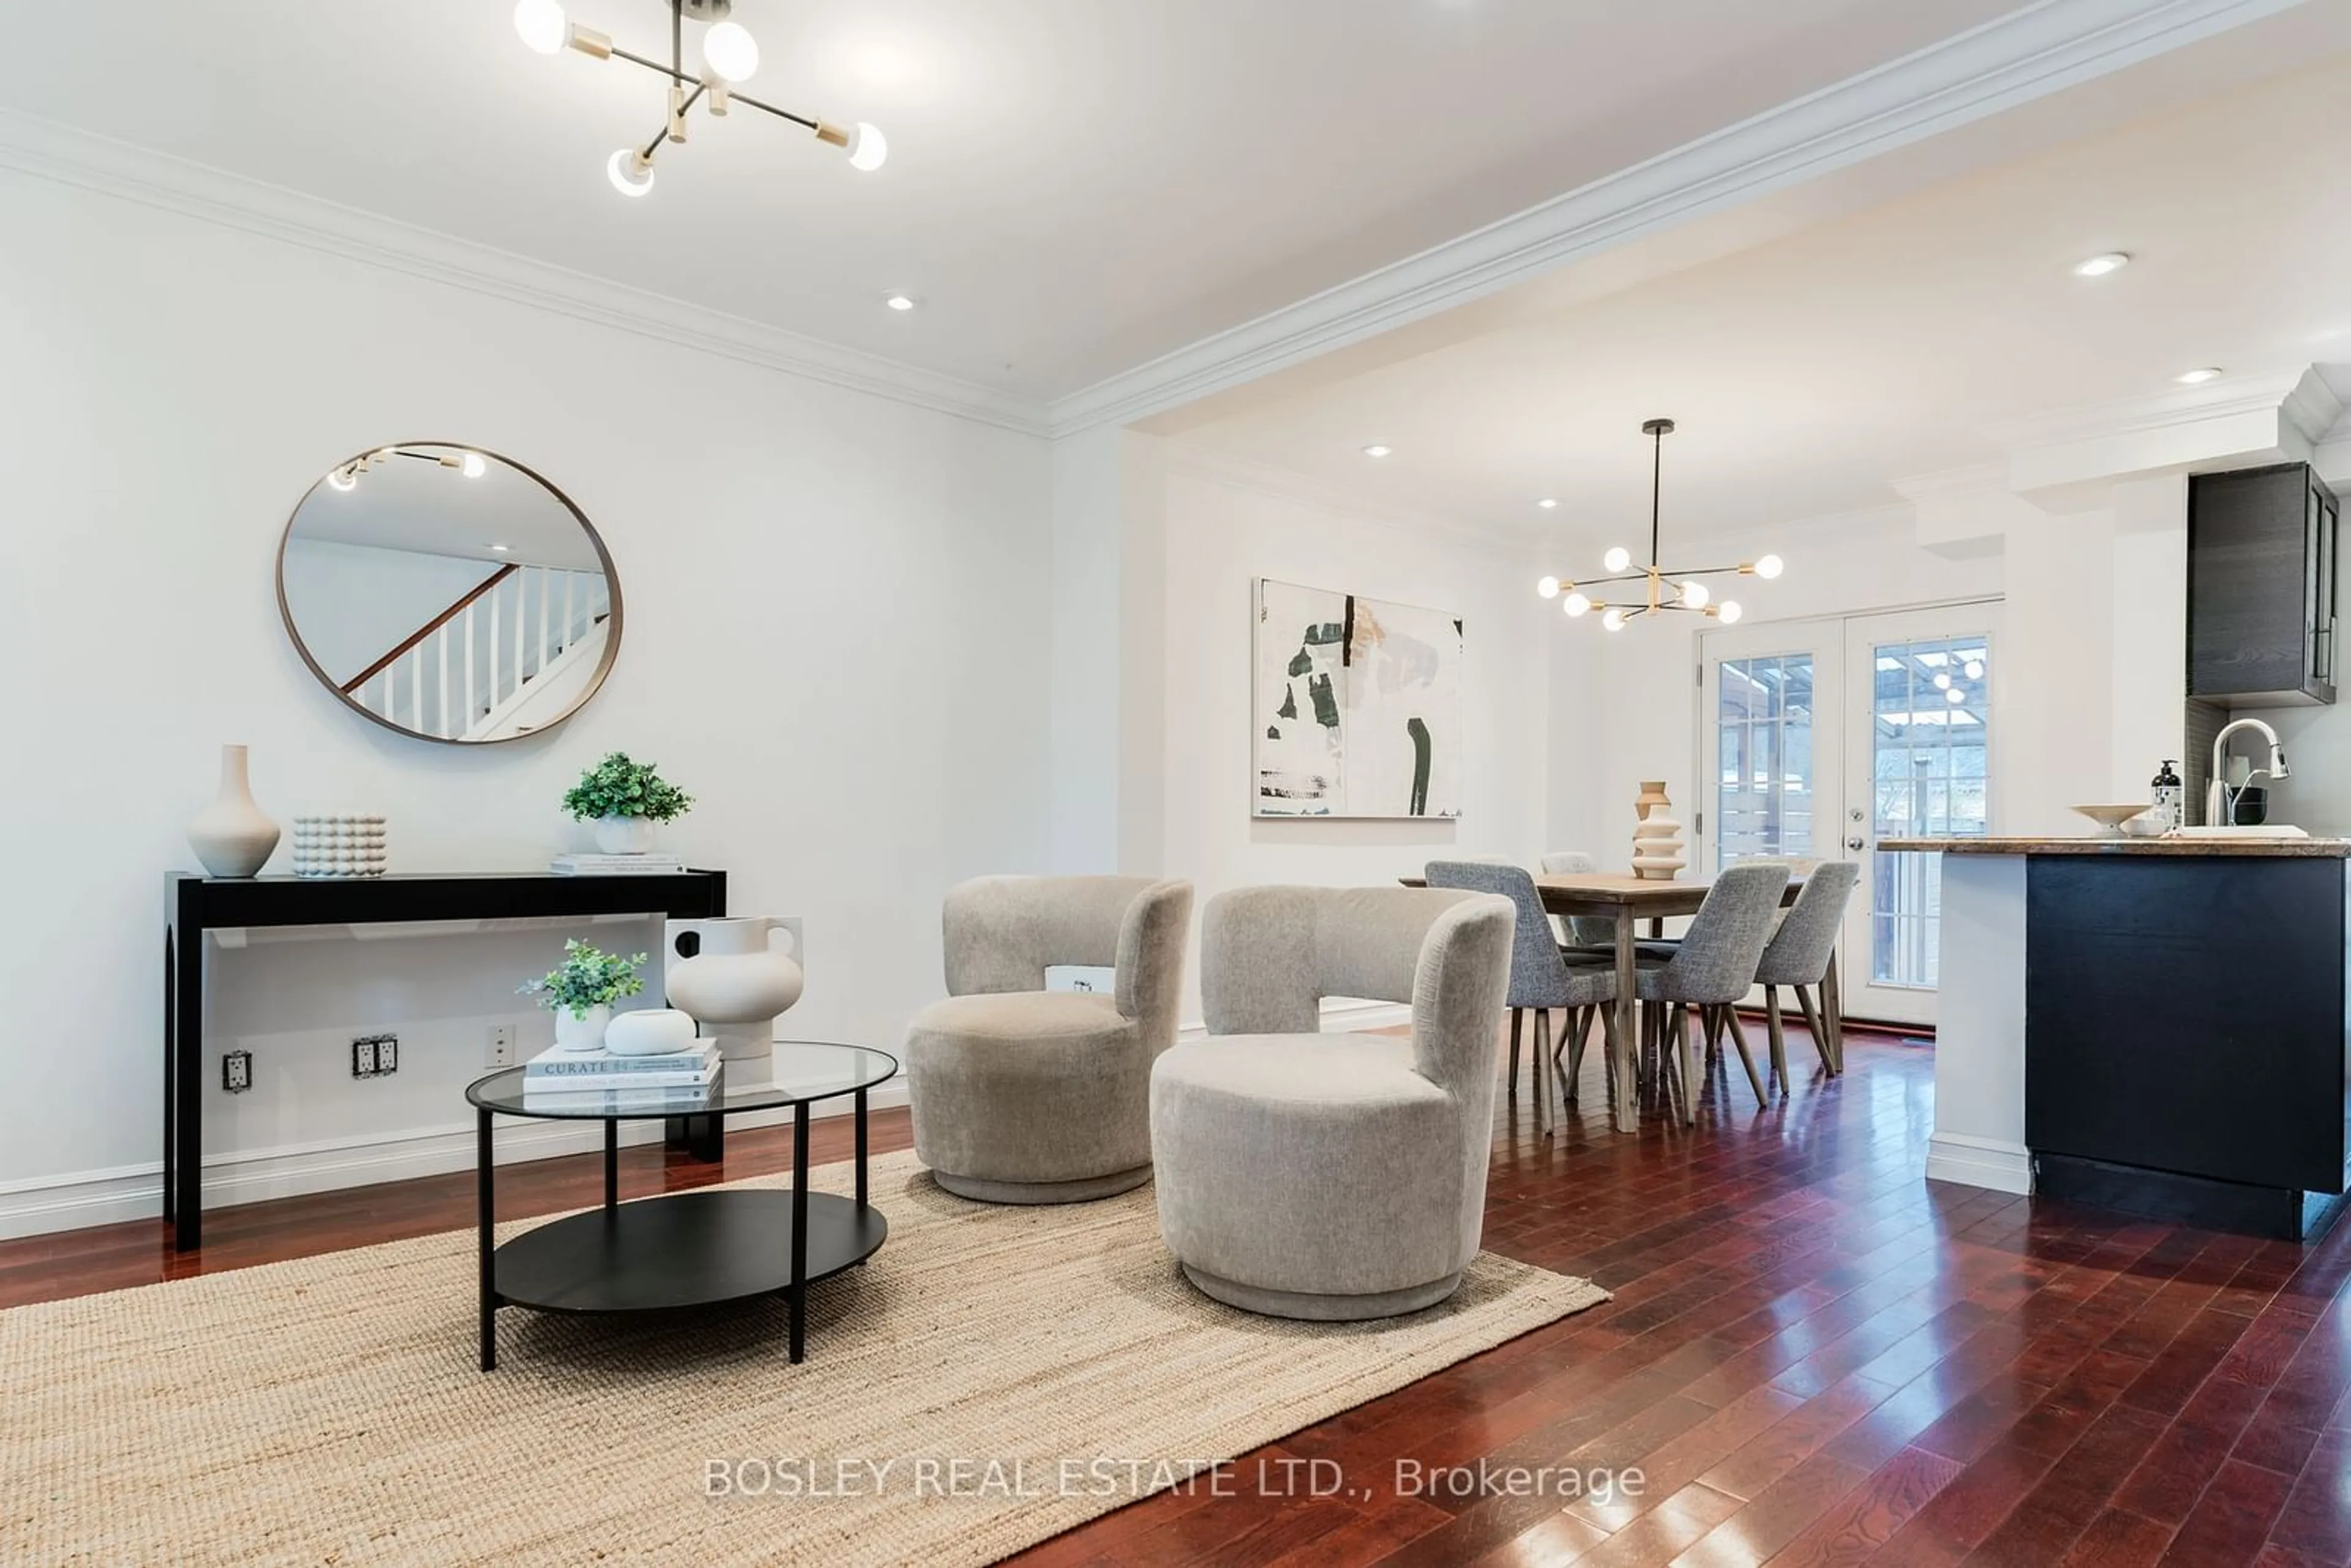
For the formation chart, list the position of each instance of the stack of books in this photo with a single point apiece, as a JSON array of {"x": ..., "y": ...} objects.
[
  {"x": 617, "y": 865},
  {"x": 558, "y": 1080}
]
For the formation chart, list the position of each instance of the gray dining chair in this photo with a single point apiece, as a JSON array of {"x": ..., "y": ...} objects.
[
  {"x": 1800, "y": 955},
  {"x": 1541, "y": 977},
  {"x": 1713, "y": 968}
]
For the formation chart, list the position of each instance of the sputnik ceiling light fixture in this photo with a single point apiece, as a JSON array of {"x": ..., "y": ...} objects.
[
  {"x": 730, "y": 57},
  {"x": 1665, "y": 590},
  {"x": 472, "y": 465}
]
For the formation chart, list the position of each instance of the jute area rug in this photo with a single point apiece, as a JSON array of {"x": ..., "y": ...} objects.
[{"x": 992, "y": 1377}]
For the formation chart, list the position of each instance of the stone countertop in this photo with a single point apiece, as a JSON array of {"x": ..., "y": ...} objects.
[{"x": 2119, "y": 844}]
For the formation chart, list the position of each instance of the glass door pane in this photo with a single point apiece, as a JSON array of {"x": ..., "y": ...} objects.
[
  {"x": 1764, "y": 785},
  {"x": 1927, "y": 729}
]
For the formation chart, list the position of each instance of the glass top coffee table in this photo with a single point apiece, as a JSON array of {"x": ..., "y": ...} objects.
[{"x": 682, "y": 1248}]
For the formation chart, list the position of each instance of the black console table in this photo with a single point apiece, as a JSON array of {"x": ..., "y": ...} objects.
[{"x": 195, "y": 904}]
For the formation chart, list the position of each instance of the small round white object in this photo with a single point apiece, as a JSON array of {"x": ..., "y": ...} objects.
[
  {"x": 1728, "y": 611},
  {"x": 1618, "y": 558},
  {"x": 540, "y": 24},
  {"x": 649, "y": 1031},
  {"x": 1576, "y": 604},
  {"x": 1547, "y": 588},
  {"x": 730, "y": 51},
  {"x": 1614, "y": 619},
  {"x": 1695, "y": 595},
  {"x": 868, "y": 148},
  {"x": 472, "y": 466},
  {"x": 631, "y": 172},
  {"x": 1769, "y": 567}
]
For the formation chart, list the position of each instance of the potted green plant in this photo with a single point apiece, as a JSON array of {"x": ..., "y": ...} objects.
[
  {"x": 581, "y": 992},
  {"x": 625, "y": 799}
]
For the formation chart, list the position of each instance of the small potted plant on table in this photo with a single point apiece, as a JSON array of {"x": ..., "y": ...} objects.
[
  {"x": 581, "y": 992},
  {"x": 625, "y": 799}
]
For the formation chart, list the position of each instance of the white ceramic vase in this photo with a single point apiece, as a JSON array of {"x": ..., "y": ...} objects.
[
  {"x": 573, "y": 1032},
  {"x": 735, "y": 985},
  {"x": 624, "y": 835},
  {"x": 233, "y": 836},
  {"x": 649, "y": 1031},
  {"x": 1656, "y": 838}
]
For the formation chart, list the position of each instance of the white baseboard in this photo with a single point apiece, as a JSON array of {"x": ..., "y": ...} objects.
[
  {"x": 80, "y": 1199},
  {"x": 1979, "y": 1162}
]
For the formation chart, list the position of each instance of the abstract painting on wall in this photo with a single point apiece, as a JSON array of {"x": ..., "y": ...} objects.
[{"x": 1358, "y": 705}]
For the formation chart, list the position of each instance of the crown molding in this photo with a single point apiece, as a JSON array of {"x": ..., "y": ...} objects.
[
  {"x": 1186, "y": 458},
  {"x": 2064, "y": 460},
  {"x": 2028, "y": 54},
  {"x": 2298, "y": 391},
  {"x": 68, "y": 155}
]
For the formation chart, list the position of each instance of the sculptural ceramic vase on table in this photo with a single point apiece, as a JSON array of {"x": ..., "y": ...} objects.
[
  {"x": 735, "y": 985},
  {"x": 233, "y": 836},
  {"x": 576, "y": 1032},
  {"x": 1656, "y": 838},
  {"x": 649, "y": 1031}
]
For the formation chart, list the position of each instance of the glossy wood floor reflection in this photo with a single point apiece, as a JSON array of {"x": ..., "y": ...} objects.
[{"x": 1813, "y": 1354}]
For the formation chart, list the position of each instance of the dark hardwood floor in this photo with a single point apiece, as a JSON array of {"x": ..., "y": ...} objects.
[{"x": 1814, "y": 1356}]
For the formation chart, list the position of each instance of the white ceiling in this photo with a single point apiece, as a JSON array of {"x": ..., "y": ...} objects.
[
  {"x": 1809, "y": 371},
  {"x": 1075, "y": 186}
]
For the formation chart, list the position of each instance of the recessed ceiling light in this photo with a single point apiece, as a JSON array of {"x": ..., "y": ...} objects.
[
  {"x": 497, "y": 549},
  {"x": 1548, "y": 503},
  {"x": 1376, "y": 450},
  {"x": 2100, "y": 265},
  {"x": 899, "y": 301},
  {"x": 2197, "y": 377}
]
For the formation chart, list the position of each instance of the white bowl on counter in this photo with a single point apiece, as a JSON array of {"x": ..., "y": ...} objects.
[{"x": 2112, "y": 818}]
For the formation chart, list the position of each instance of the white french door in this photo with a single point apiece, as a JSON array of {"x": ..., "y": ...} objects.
[{"x": 1817, "y": 738}]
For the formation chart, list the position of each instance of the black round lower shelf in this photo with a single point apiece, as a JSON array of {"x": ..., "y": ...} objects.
[{"x": 687, "y": 1248}]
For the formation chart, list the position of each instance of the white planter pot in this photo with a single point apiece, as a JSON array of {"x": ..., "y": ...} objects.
[
  {"x": 233, "y": 836},
  {"x": 649, "y": 1031},
  {"x": 736, "y": 985},
  {"x": 573, "y": 1032},
  {"x": 624, "y": 835}
]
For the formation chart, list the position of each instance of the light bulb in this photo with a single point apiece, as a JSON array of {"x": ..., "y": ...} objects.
[
  {"x": 1769, "y": 567},
  {"x": 1955, "y": 698},
  {"x": 472, "y": 466},
  {"x": 1618, "y": 558},
  {"x": 631, "y": 172},
  {"x": 540, "y": 24},
  {"x": 1728, "y": 611},
  {"x": 2102, "y": 264},
  {"x": 1694, "y": 595},
  {"x": 1942, "y": 680},
  {"x": 869, "y": 148},
  {"x": 1575, "y": 604},
  {"x": 1974, "y": 668},
  {"x": 1548, "y": 503},
  {"x": 1614, "y": 619},
  {"x": 1547, "y": 588},
  {"x": 342, "y": 479},
  {"x": 899, "y": 301},
  {"x": 730, "y": 51},
  {"x": 497, "y": 549}
]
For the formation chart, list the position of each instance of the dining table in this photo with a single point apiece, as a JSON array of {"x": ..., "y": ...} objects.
[{"x": 1625, "y": 900}]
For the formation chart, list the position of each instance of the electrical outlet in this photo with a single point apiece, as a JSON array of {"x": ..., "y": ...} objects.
[
  {"x": 236, "y": 1072},
  {"x": 387, "y": 1054},
  {"x": 373, "y": 1055},
  {"x": 364, "y": 1057},
  {"x": 502, "y": 1046}
]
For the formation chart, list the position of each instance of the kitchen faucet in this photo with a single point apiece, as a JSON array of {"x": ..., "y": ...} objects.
[{"x": 2220, "y": 799}]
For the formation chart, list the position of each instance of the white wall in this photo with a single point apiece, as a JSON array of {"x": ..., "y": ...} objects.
[
  {"x": 355, "y": 604},
  {"x": 836, "y": 638},
  {"x": 1225, "y": 527}
]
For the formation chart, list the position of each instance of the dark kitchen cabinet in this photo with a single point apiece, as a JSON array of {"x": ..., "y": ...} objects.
[{"x": 2260, "y": 587}]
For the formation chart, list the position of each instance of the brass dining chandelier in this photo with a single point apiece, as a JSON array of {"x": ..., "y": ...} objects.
[
  {"x": 730, "y": 57},
  {"x": 1663, "y": 589}
]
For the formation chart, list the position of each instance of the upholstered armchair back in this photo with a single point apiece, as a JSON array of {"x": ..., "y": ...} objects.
[
  {"x": 1003, "y": 932},
  {"x": 1270, "y": 954}
]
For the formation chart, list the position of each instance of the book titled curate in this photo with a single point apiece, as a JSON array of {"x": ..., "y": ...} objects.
[
  {"x": 557, "y": 1062},
  {"x": 629, "y": 1098}
]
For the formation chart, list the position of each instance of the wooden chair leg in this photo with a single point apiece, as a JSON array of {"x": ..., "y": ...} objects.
[
  {"x": 1688, "y": 1066},
  {"x": 1812, "y": 1023},
  {"x": 1778, "y": 1034},
  {"x": 1542, "y": 1072},
  {"x": 1517, "y": 1028},
  {"x": 1713, "y": 1018},
  {"x": 1832, "y": 1013},
  {"x": 1578, "y": 1023},
  {"x": 1739, "y": 1039}
]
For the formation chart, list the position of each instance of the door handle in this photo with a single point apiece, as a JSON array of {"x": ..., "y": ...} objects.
[{"x": 1856, "y": 842}]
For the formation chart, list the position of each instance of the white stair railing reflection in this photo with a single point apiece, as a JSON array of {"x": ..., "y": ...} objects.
[{"x": 484, "y": 652}]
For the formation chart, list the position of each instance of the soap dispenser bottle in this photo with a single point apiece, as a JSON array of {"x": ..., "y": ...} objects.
[{"x": 2170, "y": 796}]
